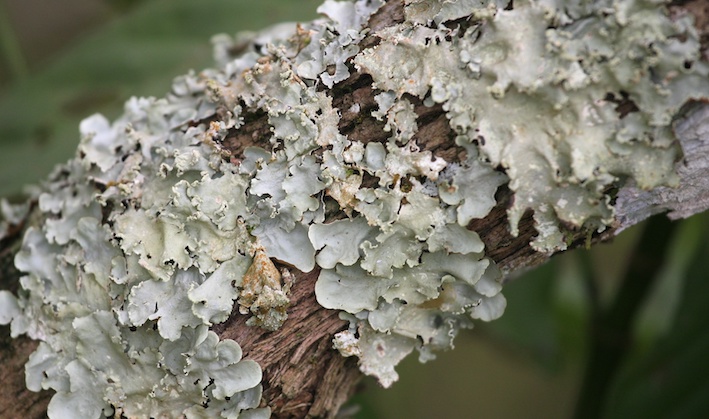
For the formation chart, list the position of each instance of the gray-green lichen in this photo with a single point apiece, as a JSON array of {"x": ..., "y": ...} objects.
[
  {"x": 154, "y": 232},
  {"x": 537, "y": 88}
]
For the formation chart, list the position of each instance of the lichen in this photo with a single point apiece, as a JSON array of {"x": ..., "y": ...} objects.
[
  {"x": 120, "y": 278},
  {"x": 567, "y": 97},
  {"x": 155, "y": 230}
]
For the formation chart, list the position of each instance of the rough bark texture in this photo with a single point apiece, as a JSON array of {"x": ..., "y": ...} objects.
[{"x": 303, "y": 375}]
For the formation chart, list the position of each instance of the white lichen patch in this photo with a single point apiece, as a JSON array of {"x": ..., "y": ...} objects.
[
  {"x": 155, "y": 230},
  {"x": 537, "y": 87},
  {"x": 11, "y": 214},
  {"x": 136, "y": 257}
]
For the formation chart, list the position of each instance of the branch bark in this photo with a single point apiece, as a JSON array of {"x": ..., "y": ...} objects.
[{"x": 303, "y": 375}]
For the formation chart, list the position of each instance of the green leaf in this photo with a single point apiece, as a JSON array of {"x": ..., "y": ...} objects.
[{"x": 672, "y": 379}]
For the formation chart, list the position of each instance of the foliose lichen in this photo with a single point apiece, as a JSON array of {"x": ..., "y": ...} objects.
[
  {"x": 155, "y": 230},
  {"x": 566, "y": 96}
]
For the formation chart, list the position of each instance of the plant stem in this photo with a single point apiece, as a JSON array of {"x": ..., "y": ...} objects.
[
  {"x": 10, "y": 47},
  {"x": 611, "y": 329}
]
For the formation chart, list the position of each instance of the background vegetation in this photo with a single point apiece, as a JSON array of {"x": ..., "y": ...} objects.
[{"x": 648, "y": 291}]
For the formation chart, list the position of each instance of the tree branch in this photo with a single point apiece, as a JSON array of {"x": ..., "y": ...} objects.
[{"x": 303, "y": 375}]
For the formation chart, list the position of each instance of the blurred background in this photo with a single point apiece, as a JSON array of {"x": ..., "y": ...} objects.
[{"x": 634, "y": 313}]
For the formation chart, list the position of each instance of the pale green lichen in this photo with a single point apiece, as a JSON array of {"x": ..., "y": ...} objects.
[
  {"x": 537, "y": 86},
  {"x": 117, "y": 294},
  {"x": 11, "y": 214},
  {"x": 155, "y": 231}
]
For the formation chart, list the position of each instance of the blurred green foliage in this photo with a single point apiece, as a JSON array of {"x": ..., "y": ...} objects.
[
  {"x": 668, "y": 374},
  {"x": 527, "y": 364}
]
